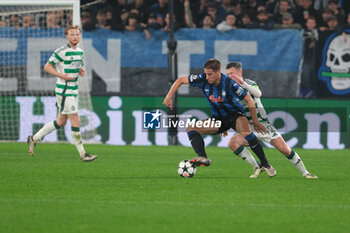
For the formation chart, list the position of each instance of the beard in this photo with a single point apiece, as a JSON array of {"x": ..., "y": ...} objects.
[{"x": 74, "y": 42}]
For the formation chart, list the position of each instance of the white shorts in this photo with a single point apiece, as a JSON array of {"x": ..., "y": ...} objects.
[
  {"x": 271, "y": 133},
  {"x": 67, "y": 104}
]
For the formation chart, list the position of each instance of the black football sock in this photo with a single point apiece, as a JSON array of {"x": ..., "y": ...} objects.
[
  {"x": 257, "y": 149},
  {"x": 197, "y": 143}
]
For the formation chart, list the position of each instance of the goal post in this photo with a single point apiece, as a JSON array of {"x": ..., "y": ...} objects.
[{"x": 27, "y": 92}]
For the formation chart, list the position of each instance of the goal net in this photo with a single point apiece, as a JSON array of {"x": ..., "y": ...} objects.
[{"x": 29, "y": 33}]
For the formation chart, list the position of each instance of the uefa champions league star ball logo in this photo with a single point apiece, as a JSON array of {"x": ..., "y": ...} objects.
[
  {"x": 152, "y": 120},
  {"x": 335, "y": 69}
]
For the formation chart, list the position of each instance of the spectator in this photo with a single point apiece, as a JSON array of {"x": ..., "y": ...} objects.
[
  {"x": 236, "y": 8},
  {"x": 287, "y": 22},
  {"x": 207, "y": 22},
  {"x": 308, "y": 74},
  {"x": 3, "y": 23},
  {"x": 120, "y": 23},
  {"x": 346, "y": 27},
  {"x": 333, "y": 24},
  {"x": 272, "y": 6},
  {"x": 311, "y": 33},
  {"x": 213, "y": 12},
  {"x": 226, "y": 5},
  {"x": 333, "y": 5},
  {"x": 229, "y": 23},
  {"x": 326, "y": 14},
  {"x": 283, "y": 7},
  {"x": 152, "y": 22},
  {"x": 109, "y": 15},
  {"x": 199, "y": 11},
  {"x": 117, "y": 6},
  {"x": 188, "y": 15},
  {"x": 133, "y": 25},
  {"x": 28, "y": 22},
  {"x": 86, "y": 21},
  {"x": 160, "y": 19},
  {"x": 60, "y": 18},
  {"x": 69, "y": 18},
  {"x": 305, "y": 11},
  {"x": 246, "y": 20},
  {"x": 52, "y": 20},
  {"x": 166, "y": 27},
  {"x": 347, "y": 23},
  {"x": 142, "y": 8},
  {"x": 262, "y": 21},
  {"x": 161, "y": 7},
  {"x": 251, "y": 7},
  {"x": 101, "y": 19},
  {"x": 320, "y": 4},
  {"x": 14, "y": 21}
]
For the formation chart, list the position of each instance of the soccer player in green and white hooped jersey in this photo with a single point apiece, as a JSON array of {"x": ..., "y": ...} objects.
[
  {"x": 66, "y": 63},
  {"x": 236, "y": 142}
]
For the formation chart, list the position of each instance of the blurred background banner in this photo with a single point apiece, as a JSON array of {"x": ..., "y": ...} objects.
[
  {"x": 127, "y": 64},
  {"x": 309, "y": 124}
]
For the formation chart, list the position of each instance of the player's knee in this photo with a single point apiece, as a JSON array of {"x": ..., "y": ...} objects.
[
  {"x": 232, "y": 143},
  {"x": 245, "y": 133},
  {"x": 61, "y": 123}
]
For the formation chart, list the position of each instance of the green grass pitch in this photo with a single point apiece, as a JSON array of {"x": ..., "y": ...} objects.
[{"x": 137, "y": 189}]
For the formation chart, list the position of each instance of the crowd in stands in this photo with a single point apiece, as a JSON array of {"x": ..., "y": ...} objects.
[
  {"x": 224, "y": 15},
  {"x": 49, "y": 19},
  {"x": 316, "y": 19}
]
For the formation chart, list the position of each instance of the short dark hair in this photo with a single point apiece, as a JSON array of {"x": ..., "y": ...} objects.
[
  {"x": 235, "y": 65},
  {"x": 213, "y": 64}
]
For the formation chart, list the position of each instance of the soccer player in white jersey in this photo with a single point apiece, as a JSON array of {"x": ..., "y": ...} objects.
[
  {"x": 66, "y": 63},
  {"x": 236, "y": 142}
]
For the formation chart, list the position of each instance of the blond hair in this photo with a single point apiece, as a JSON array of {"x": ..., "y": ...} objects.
[{"x": 71, "y": 27}]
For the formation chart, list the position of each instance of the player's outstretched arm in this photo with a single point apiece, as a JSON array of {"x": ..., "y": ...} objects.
[
  {"x": 168, "y": 101},
  {"x": 51, "y": 70},
  {"x": 257, "y": 125},
  {"x": 255, "y": 91}
]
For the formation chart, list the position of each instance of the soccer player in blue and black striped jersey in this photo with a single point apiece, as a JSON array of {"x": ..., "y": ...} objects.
[{"x": 222, "y": 94}]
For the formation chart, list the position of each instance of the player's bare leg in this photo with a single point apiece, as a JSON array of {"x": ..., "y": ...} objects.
[
  {"x": 197, "y": 142},
  {"x": 292, "y": 156},
  {"x": 237, "y": 144},
  {"x": 77, "y": 139},
  {"x": 243, "y": 128},
  {"x": 45, "y": 130}
]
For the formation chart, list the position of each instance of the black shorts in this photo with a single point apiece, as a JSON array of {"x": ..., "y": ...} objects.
[{"x": 228, "y": 122}]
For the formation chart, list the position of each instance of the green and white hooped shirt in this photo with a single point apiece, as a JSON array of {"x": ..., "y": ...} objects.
[
  {"x": 67, "y": 61},
  {"x": 260, "y": 110}
]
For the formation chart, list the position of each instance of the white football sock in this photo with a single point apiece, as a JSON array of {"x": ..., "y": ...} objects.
[
  {"x": 247, "y": 156},
  {"x": 297, "y": 162},
  {"x": 78, "y": 141},
  {"x": 45, "y": 130}
]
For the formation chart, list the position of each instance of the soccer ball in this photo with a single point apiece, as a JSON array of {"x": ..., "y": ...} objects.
[{"x": 186, "y": 169}]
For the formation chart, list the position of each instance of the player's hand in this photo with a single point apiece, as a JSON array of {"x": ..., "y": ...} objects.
[
  {"x": 237, "y": 79},
  {"x": 168, "y": 102},
  {"x": 66, "y": 77},
  {"x": 260, "y": 128},
  {"x": 223, "y": 134},
  {"x": 82, "y": 72}
]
